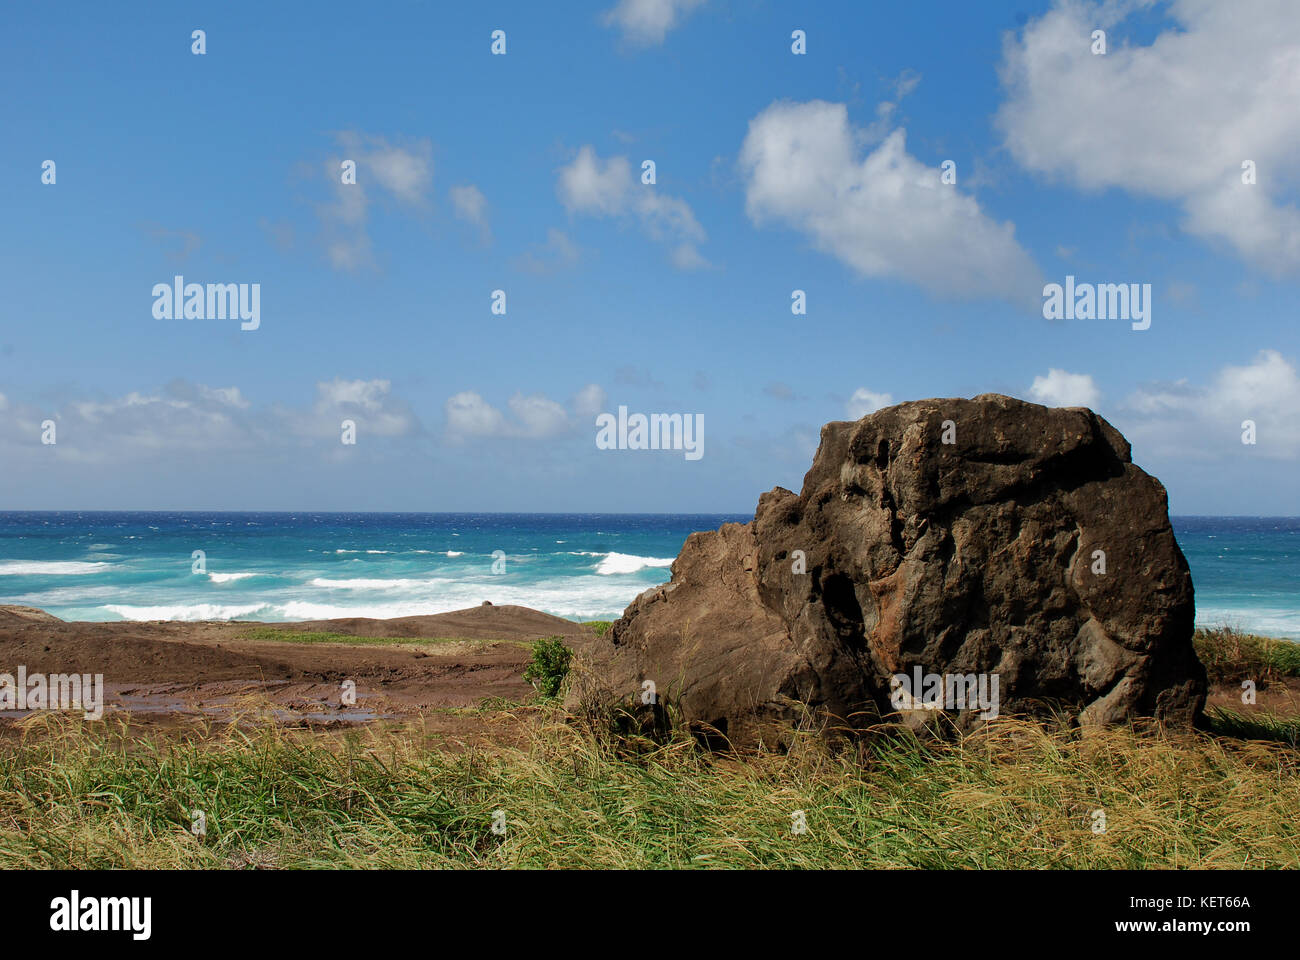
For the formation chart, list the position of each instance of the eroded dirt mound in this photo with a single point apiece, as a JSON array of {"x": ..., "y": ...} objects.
[{"x": 215, "y": 668}]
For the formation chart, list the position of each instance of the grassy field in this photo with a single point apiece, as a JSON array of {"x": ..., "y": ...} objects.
[{"x": 1016, "y": 795}]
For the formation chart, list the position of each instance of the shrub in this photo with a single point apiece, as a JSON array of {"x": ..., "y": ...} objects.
[{"x": 549, "y": 666}]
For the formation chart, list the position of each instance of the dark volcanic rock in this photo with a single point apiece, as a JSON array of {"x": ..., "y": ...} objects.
[{"x": 973, "y": 556}]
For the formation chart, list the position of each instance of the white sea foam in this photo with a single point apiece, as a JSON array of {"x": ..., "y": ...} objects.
[
  {"x": 229, "y": 577},
  {"x": 455, "y": 553},
  {"x": 1271, "y": 622},
  {"x": 359, "y": 583},
  {"x": 50, "y": 568},
  {"x": 582, "y": 597},
  {"x": 629, "y": 563},
  {"x": 186, "y": 611}
]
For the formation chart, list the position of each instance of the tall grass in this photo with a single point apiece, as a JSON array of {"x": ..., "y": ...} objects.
[
  {"x": 1015, "y": 796},
  {"x": 1231, "y": 656}
]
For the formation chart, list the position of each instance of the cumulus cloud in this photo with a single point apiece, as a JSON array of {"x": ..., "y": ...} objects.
[
  {"x": 531, "y": 416},
  {"x": 1173, "y": 118},
  {"x": 367, "y": 402},
  {"x": 646, "y": 22},
  {"x": 184, "y": 420},
  {"x": 882, "y": 212},
  {"x": 539, "y": 416},
  {"x": 469, "y": 415},
  {"x": 590, "y": 186},
  {"x": 1062, "y": 389},
  {"x": 400, "y": 173},
  {"x": 865, "y": 401},
  {"x": 469, "y": 205},
  {"x": 1188, "y": 421}
]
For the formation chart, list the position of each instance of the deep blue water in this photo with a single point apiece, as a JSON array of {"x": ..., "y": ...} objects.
[{"x": 280, "y": 566}]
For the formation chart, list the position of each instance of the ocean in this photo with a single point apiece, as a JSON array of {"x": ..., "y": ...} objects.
[{"x": 308, "y": 566}]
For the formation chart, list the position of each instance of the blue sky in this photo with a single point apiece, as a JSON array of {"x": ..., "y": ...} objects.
[{"x": 521, "y": 172}]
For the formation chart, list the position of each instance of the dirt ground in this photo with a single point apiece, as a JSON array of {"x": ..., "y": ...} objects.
[
  {"x": 165, "y": 672},
  {"x": 166, "y": 675}
]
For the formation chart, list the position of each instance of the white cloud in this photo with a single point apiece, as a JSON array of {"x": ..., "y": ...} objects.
[
  {"x": 609, "y": 188},
  {"x": 183, "y": 419},
  {"x": 538, "y": 416},
  {"x": 864, "y": 402},
  {"x": 402, "y": 173},
  {"x": 1182, "y": 420},
  {"x": 1062, "y": 389},
  {"x": 885, "y": 213},
  {"x": 1174, "y": 118},
  {"x": 187, "y": 420},
  {"x": 647, "y": 22},
  {"x": 469, "y": 204},
  {"x": 368, "y": 402},
  {"x": 590, "y": 400},
  {"x": 469, "y": 415},
  {"x": 588, "y": 185},
  {"x": 533, "y": 416}
]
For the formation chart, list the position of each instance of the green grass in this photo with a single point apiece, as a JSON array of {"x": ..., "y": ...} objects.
[
  {"x": 601, "y": 627},
  {"x": 322, "y": 636},
  {"x": 1257, "y": 725},
  {"x": 77, "y": 795},
  {"x": 1231, "y": 656}
]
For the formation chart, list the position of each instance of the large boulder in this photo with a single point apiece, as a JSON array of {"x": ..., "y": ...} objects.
[{"x": 972, "y": 539}]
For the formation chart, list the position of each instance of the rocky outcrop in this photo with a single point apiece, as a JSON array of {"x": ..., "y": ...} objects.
[{"x": 986, "y": 540}]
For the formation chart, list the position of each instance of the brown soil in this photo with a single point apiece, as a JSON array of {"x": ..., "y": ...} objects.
[
  {"x": 168, "y": 673},
  {"x": 1281, "y": 697}
]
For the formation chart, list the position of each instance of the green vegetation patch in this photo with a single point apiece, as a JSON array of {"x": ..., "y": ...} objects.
[
  {"x": 322, "y": 636},
  {"x": 1231, "y": 656},
  {"x": 549, "y": 667}
]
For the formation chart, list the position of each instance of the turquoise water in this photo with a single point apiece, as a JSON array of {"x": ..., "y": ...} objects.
[
  {"x": 279, "y": 566},
  {"x": 1246, "y": 571}
]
